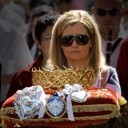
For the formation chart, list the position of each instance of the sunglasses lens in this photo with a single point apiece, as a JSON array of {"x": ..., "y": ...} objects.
[
  {"x": 101, "y": 12},
  {"x": 82, "y": 39},
  {"x": 113, "y": 12},
  {"x": 68, "y": 40}
]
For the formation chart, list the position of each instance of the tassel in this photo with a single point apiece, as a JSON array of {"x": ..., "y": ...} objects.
[
  {"x": 17, "y": 125},
  {"x": 2, "y": 125},
  {"x": 122, "y": 120}
]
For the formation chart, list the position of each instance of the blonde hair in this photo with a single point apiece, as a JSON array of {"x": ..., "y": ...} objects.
[{"x": 56, "y": 56}]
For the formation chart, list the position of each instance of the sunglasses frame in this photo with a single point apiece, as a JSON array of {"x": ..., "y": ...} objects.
[
  {"x": 111, "y": 12},
  {"x": 68, "y": 39}
]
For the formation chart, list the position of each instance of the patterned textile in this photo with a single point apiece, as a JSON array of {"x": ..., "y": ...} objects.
[{"x": 100, "y": 106}]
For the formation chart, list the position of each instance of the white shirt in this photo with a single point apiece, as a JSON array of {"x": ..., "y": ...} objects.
[
  {"x": 115, "y": 54},
  {"x": 124, "y": 28}
]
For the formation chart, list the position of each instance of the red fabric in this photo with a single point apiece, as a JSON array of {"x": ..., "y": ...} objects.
[
  {"x": 23, "y": 78},
  {"x": 70, "y": 124},
  {"x": 97, "y": 96},
  {"x": 122, "y": 68},
  {"x": 9, "y": 101}
]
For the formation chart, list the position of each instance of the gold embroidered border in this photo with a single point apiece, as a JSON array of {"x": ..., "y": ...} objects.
[
  {"x": 16, "y": 120},
  {"x": 84, "y": 108}
]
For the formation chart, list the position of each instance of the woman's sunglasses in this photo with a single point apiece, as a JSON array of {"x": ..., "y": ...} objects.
[
  {"x": 79, "y": 38},
  {"x": 111, "y": 12}
]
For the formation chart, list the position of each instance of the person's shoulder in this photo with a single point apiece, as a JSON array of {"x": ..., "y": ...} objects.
[
  {"x": 26, "y": 70},
  {"x": 125, "y": 42},
  {"x": 111, "y": 69}
]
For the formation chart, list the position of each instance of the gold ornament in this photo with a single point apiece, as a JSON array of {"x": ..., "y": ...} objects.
[{"x": 56, "y": 79}]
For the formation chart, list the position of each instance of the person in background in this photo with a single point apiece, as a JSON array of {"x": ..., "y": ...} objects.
[
  {"x": 82, "y": 5},
  {"x": 60, "y": 6},
  {"x": 122, "y": 68},
  {"x": 122, "y": 63},
  {"x": 0, "y": 79},
  {"x": 9, "y": 15},
  {"x": 63, "y": 6},
  {"x": 30, "y": 36},
  {"x": 14, "y": 54},
  {"x": 108, "y": 14},
  {"x": 43, "y": 30},
  {"x": 32, "y": 4},
  {"x": 124, "y": 21},
  {"x": 18, "y": 8}
]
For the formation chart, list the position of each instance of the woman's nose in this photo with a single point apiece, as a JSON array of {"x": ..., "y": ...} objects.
[{"x": 74, "y": 43}]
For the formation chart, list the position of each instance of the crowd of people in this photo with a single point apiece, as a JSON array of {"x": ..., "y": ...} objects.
[{"x": 43, "y": 33}]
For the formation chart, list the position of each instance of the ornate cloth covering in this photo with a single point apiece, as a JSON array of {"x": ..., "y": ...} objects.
[{"x": 100, "y": 104}]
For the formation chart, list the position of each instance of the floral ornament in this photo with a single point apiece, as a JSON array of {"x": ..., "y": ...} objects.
[
  {"x": 30, "y": 102},
  {"x": 75, "y": 93}
]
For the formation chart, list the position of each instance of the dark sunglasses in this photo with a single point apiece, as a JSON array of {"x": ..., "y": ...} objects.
[
  {"x": 80, "y": 39},
  {"x": 111, "y": 12}
]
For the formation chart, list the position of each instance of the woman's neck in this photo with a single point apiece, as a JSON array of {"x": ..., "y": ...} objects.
[
  {"x": 44, "y": 61},
  {"x": 77, "y": 64}
]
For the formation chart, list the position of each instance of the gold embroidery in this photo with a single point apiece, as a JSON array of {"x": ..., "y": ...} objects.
[
  {"x": 56, "y": 79},
  {"x": 114, "y": 111}
]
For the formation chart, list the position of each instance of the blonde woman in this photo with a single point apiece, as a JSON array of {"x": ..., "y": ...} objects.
[{"x": 76, "y": 43}]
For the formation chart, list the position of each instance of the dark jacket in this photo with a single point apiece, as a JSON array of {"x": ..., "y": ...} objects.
[
  {"x": 23, "y": 78},
  {"x": 122, "y": 68}
]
